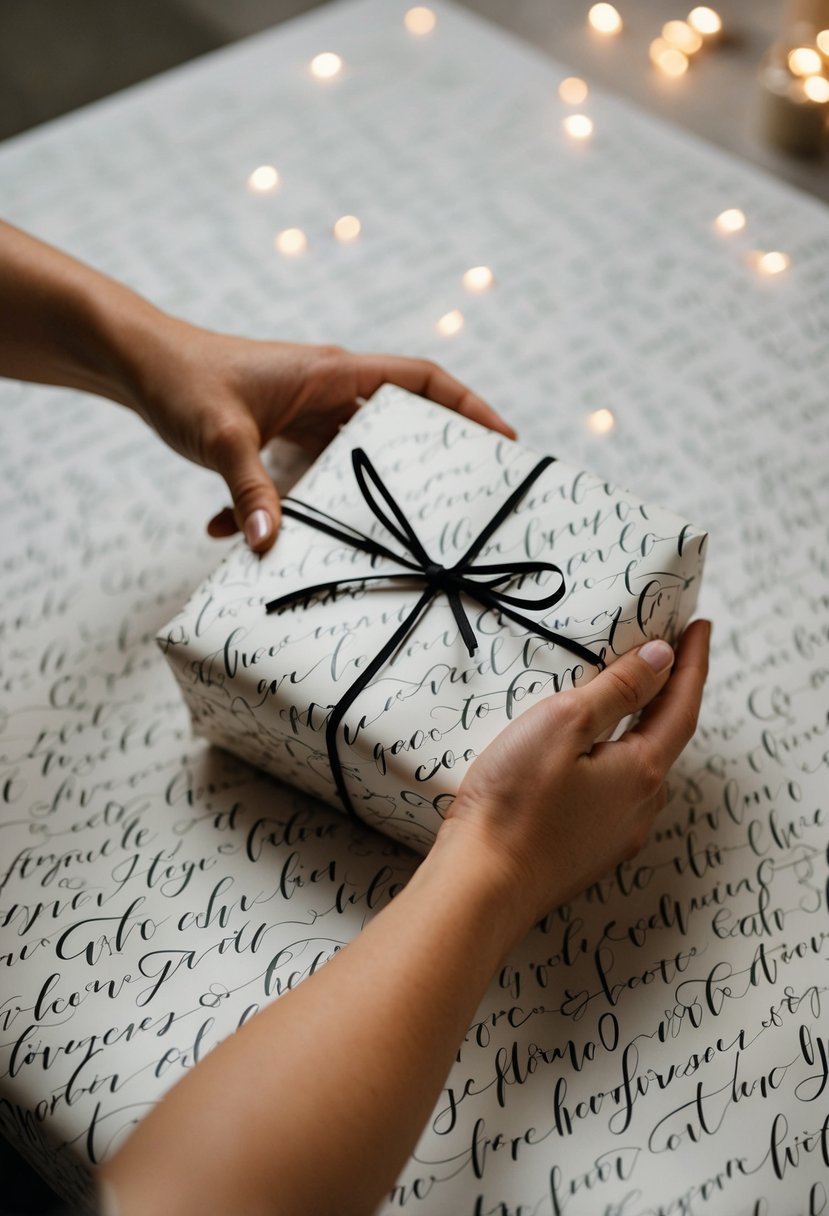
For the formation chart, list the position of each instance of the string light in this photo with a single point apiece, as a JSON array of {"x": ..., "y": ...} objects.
[
  {"x": 601, "y": 421},
  {"x": 772, "y": 263},
  {"x": 705, "y": 21},
  {"x": 450, "y": 323},
  {"x": 420, "y": 21},
  {"x": 605, "y": 19},
  {"x": 804, "y": 61},
  {"x": 680, "y": 35},
  {"x": 732, "y": 220},
  {"x": 478, "y": 279},
  {"x": 573, "y": 91},
  {"x": 263, "y": 179},
  {"x": 667, "y": 58},
  {"x": 823, "y": 41},
  {"x": 578, "y": 126},
  {"x": 347, "y": 228},
  {"x": 291, "y": 241},
  {"x": 326, "y": 65},
  {"x": 816, "y": 88}
]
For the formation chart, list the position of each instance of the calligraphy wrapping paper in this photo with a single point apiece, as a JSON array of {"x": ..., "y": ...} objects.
[{"x": 265, "y": 684}]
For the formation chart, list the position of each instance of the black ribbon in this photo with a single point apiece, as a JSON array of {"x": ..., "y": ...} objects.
[{"x": 452, "y": 581}]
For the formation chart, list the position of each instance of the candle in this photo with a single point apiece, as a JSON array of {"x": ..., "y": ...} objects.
[
  {"x": 807, "y": 12},
  {"x": 791, "y": 118}
]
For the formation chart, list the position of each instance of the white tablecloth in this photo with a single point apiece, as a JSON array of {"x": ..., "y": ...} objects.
[{"x": 656, "y": 1046}]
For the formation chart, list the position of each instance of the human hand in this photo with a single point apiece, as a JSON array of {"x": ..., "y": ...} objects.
[
  {"x": 215, "y": 398},
  {"x": 219, "y": 399},
  {"x": 547, "y": 810}
]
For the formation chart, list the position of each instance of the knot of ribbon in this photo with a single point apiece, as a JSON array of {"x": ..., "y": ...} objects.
[{"x": 481, "y": 583}]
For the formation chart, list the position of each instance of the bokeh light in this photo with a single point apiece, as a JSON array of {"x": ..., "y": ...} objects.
[
  {"x": 347, "y": 228},
  {"x": 326, "y": 65},
  {"x": 478, "y": 279},
  {"x": 291, "y": 241},
  {"x": 731, "y": 220},
  {"x": 420, "y": 20},
  {"x": 263, "y": 179},
  {"x": 578, "y": 126},
  {"x": 605, "y": 19},
  {"x": 573, "y": 90},
  {"x": 450, "y": 323}
]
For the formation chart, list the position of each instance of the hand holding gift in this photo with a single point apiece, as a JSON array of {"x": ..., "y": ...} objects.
[
  {"x": 556, "y": 810},
  {"x": 215, "y": 398},
  {"x": 541, "y": 813},
  {"x": 219, "y": 399}
]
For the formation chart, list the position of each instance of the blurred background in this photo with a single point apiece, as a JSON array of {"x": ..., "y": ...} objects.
[
  {"x": 742, "y": 91},
  {"x": 56, "y": 55}
]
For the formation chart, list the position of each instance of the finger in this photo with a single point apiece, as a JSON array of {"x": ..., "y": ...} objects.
[
  {"x": 428, "y": 380},
  {"x": 222, "y": 525},
  {"x": 621, "y": 689},
  {"x": 670, "y": 723},
  {"x": 255, "y": 499}
]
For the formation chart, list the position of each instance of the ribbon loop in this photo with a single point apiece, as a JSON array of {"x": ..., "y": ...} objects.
[{"x": 369, "y": 480}]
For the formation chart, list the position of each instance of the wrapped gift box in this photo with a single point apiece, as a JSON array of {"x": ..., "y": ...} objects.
[{"x": 431, "y": 581}]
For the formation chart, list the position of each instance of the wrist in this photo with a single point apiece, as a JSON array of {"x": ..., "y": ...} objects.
[
  {"x": 483, "y": 880},
  {"x": 134, "y": 340}
]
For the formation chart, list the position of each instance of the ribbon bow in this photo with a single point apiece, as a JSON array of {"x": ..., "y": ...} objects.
[{"x": 452, "y": 581}]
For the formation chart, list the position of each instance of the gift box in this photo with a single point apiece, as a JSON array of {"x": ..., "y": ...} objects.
[{"x": 430, "y": 582}]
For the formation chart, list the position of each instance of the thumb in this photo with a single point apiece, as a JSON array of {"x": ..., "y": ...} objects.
[
  {"x": 626, "y": 686},
  {"x": 255, "y": 499}
]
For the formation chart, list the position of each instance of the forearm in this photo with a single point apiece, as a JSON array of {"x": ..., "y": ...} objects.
[
  {"x": 315, "y": 1105},
  {"x": 64, "y": 323}
]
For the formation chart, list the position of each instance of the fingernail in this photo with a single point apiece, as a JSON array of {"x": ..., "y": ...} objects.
[
  {"x": 257, "y": 528},
  {"x": 657, "y": 654},
  {"x": 506, "y": 424}
]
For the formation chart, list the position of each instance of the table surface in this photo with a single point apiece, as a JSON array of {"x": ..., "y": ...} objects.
[
  {"x": 124, "y": 860},
  {"x": 54, "y": 58}
]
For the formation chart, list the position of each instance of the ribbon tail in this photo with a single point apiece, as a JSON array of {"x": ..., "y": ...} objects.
[
  {"x": 550, "y": 635},
  {"x": 353, "y": 691},
  {"x": 462, "y": 621}
]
